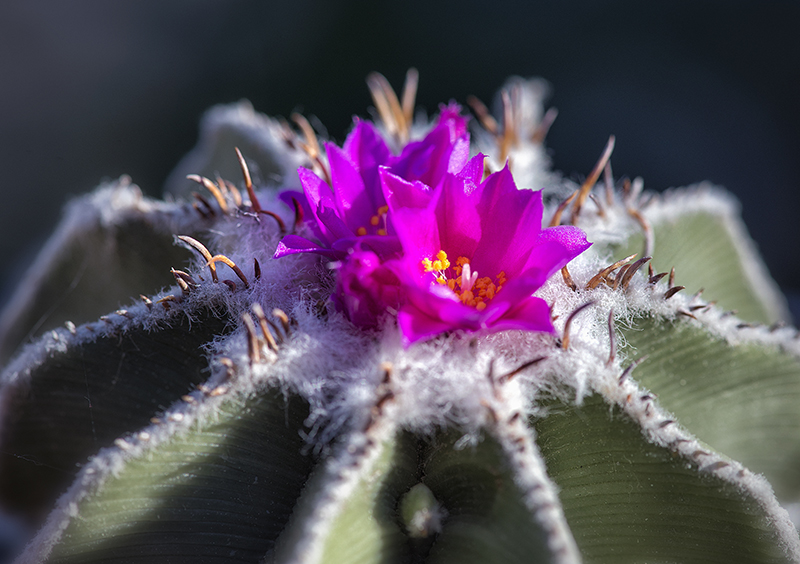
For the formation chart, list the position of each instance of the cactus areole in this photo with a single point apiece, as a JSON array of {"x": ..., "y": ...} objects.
[{"x": 421, "y": 346}]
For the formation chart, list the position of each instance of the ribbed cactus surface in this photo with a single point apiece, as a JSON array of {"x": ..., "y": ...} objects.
[{"x": 225, "y": 408}]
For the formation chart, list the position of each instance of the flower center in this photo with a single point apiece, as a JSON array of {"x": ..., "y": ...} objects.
[
  {"x": 377, "y": 223},
  {"x": 471, "y": 290}
]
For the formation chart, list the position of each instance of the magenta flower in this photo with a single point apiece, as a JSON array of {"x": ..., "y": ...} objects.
[
  {"x": 353, "y": 208},
  {"x": 473, "y": 253}
]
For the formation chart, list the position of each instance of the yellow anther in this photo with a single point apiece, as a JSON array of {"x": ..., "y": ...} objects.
[
  {"x": 474, "y": 292},
  {"x": 383, "y": 210},
  {"x": 361, "y": 231},
  {"x": 381, "y": 232}
]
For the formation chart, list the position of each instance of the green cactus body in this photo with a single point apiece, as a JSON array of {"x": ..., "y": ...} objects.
[{"x": 201, "y": 423}]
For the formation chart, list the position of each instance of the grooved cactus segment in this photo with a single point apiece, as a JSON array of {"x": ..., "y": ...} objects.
[
  {"x": 79, "y": 400},
  {"x": 221, "y": 491},
  {"x": 628, "y": 500},
  {"x": 366, "y": 528},
  {"x": 111, "y": 246},
  {"x": 742, "y": 399},
  {"x": 705, "y": 242}
]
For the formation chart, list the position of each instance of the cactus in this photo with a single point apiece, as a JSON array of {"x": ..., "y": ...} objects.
[{"x": 240, "y": 415}]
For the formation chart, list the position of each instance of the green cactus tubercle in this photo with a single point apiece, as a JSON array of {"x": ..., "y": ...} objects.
[{"x": 230, "y": 412}]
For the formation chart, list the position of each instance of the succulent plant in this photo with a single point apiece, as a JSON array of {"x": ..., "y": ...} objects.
[{"x": 335, "y": 405}]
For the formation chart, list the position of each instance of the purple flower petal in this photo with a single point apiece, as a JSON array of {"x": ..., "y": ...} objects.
[
  {"x": 513, "y": 220},
  {"x": 381, "y": 245},
  {"x": 552, "y": 253},
  {"x": 532, "y": 314},
  {"x": 317, "y": 193},
  {"x": 332, "y": 224},
  {"x": 569, "y": 236},
  {"x": 473, "y": 170},
  {"x": 444, "y": 149},
  {"x": 416, "y": 326},
  {"x": 401, "y": 193},
  {"x": 353, "y": 201},
  {"x": 459, "y": 156},
  {"x": 458, "y": 218},
  {"x": 418, "y": 231},
  {"x": 367, "y": 150},
  {"x": 293, "y": 244}
]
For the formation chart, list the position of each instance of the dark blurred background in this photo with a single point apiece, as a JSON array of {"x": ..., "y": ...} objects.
[{"x": 693, "y": 90}]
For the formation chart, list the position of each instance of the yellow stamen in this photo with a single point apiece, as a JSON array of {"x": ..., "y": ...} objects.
[
  {"x": 377, "y": 223},
  {"x": 463, "y": 281}
]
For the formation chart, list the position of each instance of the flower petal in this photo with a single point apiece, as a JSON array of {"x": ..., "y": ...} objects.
[
  {"x": 511, "y": 221},
  {"x": 352, "y": 199},
  {"x": 415, "y": 325},
  {"x": 384, "y": 246},
  {"x": 430, "y": 311},
  {"x": 366, "y": 149},
  {"x": 316, "y": 190},
  {"x": 573, "y": 238},
  {"x": 459, "y": 156},
  {"x": 473, "y": 171},
  {"x": 457, "y": 216},
  {"x": 293, "y": 244},
  {"x": 334, "y": 227},
  {"x": 401, "y": 193},
  {"x": 532, "y": 314},
  {"x": 418, "y": 232},
  {"x": 557, "y": 246},
  {"x": 317, "y": 193},
  {"x": 444, "y": 149}
]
